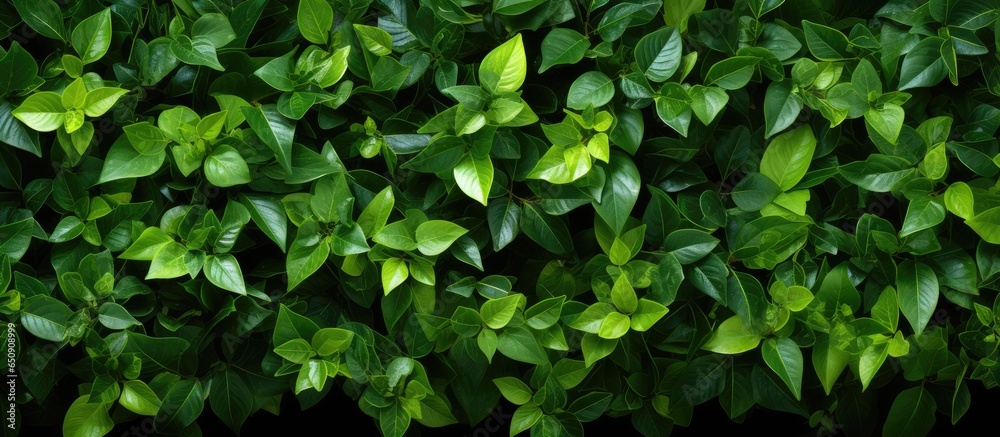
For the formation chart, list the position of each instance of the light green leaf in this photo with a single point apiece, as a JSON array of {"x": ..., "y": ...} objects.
[
  {"x": 394, "y": 273},
  {"x": 315, "y": 18},
  {"x": 503, "y": 69},
  {"x": 496, "y": 313},
  {"x": 138, "y": 398},
  {"x": 731, "y": 337},
  {"x": 474, "y": 176},
  {"x": 987, "y": 225},
  {"x": 376, "y": 40},
  {"x": 435, "y": 236},
  {"x": 225, "y": 167},
  {"x": 788, "y": 156},
  {"x": 42, "y": 111},
  {"x": 84, "y": 419}
]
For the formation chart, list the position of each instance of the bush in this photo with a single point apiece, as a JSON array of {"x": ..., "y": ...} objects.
[{"x": 584, "y": 209}]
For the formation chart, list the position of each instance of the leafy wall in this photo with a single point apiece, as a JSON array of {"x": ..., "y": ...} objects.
[{"x": 435, "y": 207}]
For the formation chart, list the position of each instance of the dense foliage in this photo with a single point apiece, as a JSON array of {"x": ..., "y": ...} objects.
[{"x": 583, "y": 208}]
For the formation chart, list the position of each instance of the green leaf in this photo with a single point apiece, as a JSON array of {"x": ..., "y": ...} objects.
[
  {"x": 677, "y": 13},
  {"x": 596, "y": 348},
  {"x": 168, "y": 262},
  {"x": 182, "y": 404},
  {"x": 828, "y": 361},
  {"x": 394, "y": 273},
  {"x": 912, "y": 413},
  {"x": 562, "y": 46},
  {"x": 787, "y": 157},
  {"x": 923, "y": 65},
  {"x": 923, "y": 213},
  {"x": 732, "y": 73},
  {"x": 215, "y": 28},
  {"x": 92, "y": 37},
  {"x": 918, "y": 293},
  {"x": 435, "y": 236},
  {"x": 274, "y": 130},
  {"x": 290, "y": 326},
  {"x": 518, "y": 344},
  {"x": 614, "y": 325},
  {"x": 297, "y": 351},
  {"x": 548, "y": 231},
  {"x": 784, "y": 357},
  {"x": 225, "y": 167},
  {"x": 124, "y": 161},
  {"x": 707, "y": 102},
  {"x": 503, "y": 217},
  {"x": 224, "y": 271},
  {"x": 13, "y": 132},
  {"x": 376, "y": 40},
  {"x": 496, "y": 313},
  {"x": 621, "y": 190},
  {"x": 503, "y": 69},
  {"x": 315, "y": 18},
  {"x": 837, "y": 290},
  {"x": 84, "y": 419},
  {"x": 514, "y": 7},
  {"x": 306, "y": 255},
  {"x": 138, "y": 398},
  {"x": 268, "y": 214},
  {"x": 524, "y": 418},
  {"x": 45, "y": 317},
  {"x": 277, "y": 73},
  {"x": 826, "y": 43},
  {"x": 646, "y": 314},
  {"x": 115, "y": 316},
  {"x": 328, "y": 341},
  {"x": 198, "y": 51},
  {"x": 689, "y": 245},
  {"x": 474, "y": 176},
  {"x": 659, "y": 53},
  {"x": 514, "y": 390},
  {"x": 878, "y": 173},
  {"x": 41, "y": 111},
  {"x": 887, "y": 121},
  {"x": 754, "y": 191},
  {"x": 231, "y": 399},
  {"x": 44, "y": 16},
  {"x": 592, "y": 88},
  {"x": 987, "y": 225},
  {"x": 731, "y": 337},
  {"x": 781, "y": 108}
]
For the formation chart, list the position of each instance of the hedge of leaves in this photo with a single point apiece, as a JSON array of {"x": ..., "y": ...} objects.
[{"x": 581, "y": 208}]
